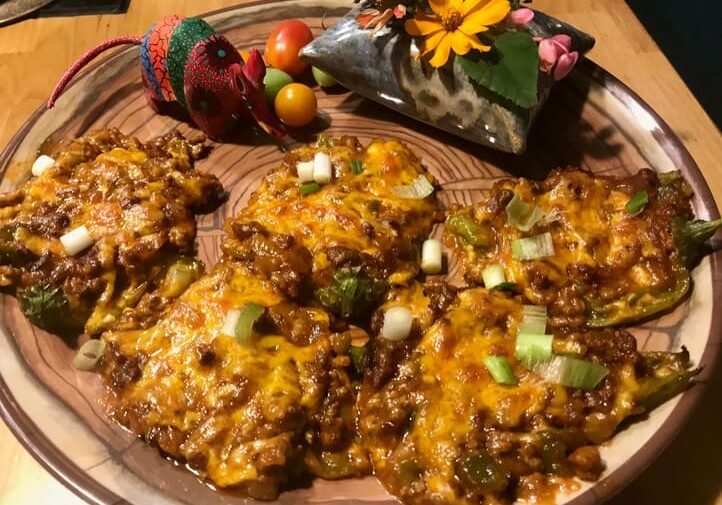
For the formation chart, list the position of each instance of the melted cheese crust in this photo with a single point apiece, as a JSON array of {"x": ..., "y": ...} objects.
[
  {"x": 138, "y": 201},
  {"x": 237, "y": 413},
  {"x": 440, "y": 407},
  {"x": 608, "y": 267},
  {"x": 359, "y": 212},
  {"x": 256, "y": 418}
]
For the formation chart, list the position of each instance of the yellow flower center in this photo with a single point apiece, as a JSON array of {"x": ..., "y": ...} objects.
[{"x": 451, "y": 20}]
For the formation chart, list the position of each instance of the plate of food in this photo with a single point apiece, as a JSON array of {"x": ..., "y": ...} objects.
[{"x": 479, "y": 271}]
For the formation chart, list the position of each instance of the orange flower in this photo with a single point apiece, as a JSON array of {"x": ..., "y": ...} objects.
[{"x": 454, "y": 26}]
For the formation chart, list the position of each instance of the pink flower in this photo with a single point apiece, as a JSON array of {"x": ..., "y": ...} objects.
[
  {"x": 565, "y": 64},
  {"x": 521, "y": 16},
  {"x": 554, "y": 55},
  {"x": 400, "y": 11}
]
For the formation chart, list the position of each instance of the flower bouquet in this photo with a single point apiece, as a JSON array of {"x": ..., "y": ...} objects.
[{"x": 480, "y": 69}]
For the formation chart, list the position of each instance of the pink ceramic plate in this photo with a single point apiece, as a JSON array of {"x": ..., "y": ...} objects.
[{"x": 591, "y": 120}]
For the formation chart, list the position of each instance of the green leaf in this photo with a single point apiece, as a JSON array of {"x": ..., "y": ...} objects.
[
  {"x": 45, "y": 305},
  {"x": 510, "y": 70}
]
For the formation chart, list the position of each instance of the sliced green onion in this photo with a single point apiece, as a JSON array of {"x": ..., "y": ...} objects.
[
  {"x": 493, "y": 276},
  {"x": 500, "y": 370},
  {"x": 533, "y": 348},
  {"x": 512, "y": 287},
  {"x": 637, "y": 203},
  {"x": 534, "y": 320},
  {"x": 230, "y": 322},
  {"x": 247, "y": 317},
  {"x": 397, "y": 323},
  {"x": 322, "y": 168},
  {"x": 432, "y": 259},
  {"x": 41, "y": 164},
  {"x": 571, "y": 372},
  {"x": 531, "y": 248},
  {"x": 304, "y": 169},
  {"x": 89, "y": 355},
  {"x": 418, "y": 189},
  {"x": 521, "y": 215},
  {"x": 357, "y": 166},
  {"x": 77, "y": 240},
  {"x": 308, "y": 188}
]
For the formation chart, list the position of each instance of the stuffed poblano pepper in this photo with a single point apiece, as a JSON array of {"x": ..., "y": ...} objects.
[
  {"x": 481, "y": 404},
  {"x": 595, "y": 250},
  {"x": 103, "y": 235}
]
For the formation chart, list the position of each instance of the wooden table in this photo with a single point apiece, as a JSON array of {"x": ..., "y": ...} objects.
[{"x": 34, "y": 53}]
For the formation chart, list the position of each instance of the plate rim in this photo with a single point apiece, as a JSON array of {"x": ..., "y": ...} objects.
[{"x": 52, "y": 459}]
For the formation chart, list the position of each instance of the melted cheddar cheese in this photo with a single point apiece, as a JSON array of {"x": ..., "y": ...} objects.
[
  {"x": 258, "y": 416},
  {"x": 440, "y": 430},
  {"x": 235, "y": 412},
  {"x": 137, "y": 201},
  {"x": 359, "y": 212},
  {"x": 609, "y": 266}
]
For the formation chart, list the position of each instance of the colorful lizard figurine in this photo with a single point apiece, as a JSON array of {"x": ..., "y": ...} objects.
[{"x": 183, "y": 60}]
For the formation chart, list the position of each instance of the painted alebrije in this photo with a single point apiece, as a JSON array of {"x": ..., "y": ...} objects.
[
  {"x": 187, "y": 34},
  {"x": 150, "y": 82},
  {"x": 183, "y": 60},
  {"x": 210, "y": 89},
  {"x": 155, "y": 46}
]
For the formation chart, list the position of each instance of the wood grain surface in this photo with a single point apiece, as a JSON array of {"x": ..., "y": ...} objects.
[{"x": 33, "y": 53}]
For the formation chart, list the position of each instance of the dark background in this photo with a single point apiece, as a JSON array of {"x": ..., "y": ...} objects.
[
  {"x": 690, "y": 34},
  {"x": 71, "y": 7}
]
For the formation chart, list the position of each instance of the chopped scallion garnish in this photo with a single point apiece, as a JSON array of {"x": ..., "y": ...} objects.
[
  {"x": 500, "y": 370},
  {"x": 534, "y": 320},
  {"x": 521, "y": 215},
  {"x": 357, "y": 166},
  {"x": 571, "y": 372},
  {"x": 397, "y": 323},
  {"x": 431, "y": 257},
  {"x": 637, "y": 203},
  {"x": 512, "y": 287},
  {"x": 309, "y": 187},
  {"x": 493, "y": 276},
  {"x": 532, "y": 348},
  {"x": 530, "y": 248},
  {"x": 304, "y": 169},
  {"x": 420, "y": 188},
  {"x": 77, "y": 240},
  {"x": 247, "y": 317},
  {"x": 89, "y": 355},
  {"x": 322, "y": 168}
]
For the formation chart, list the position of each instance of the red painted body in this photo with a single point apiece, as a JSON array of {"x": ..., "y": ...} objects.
[{"x": 219, "y": 87}]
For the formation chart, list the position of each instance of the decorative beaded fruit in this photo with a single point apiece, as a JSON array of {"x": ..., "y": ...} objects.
[{"x": 184, "y": 61}]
